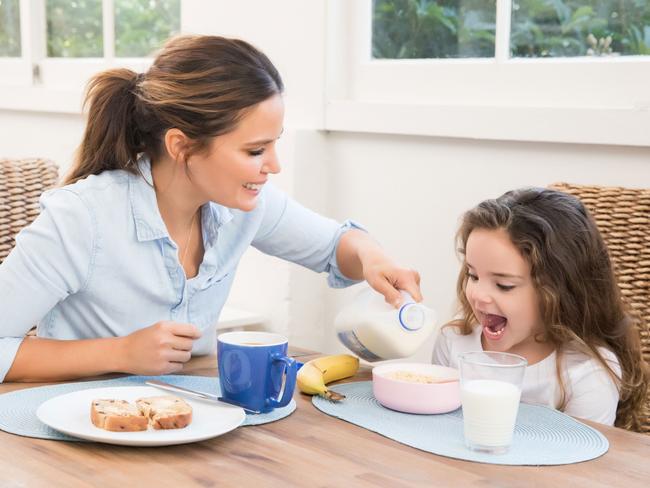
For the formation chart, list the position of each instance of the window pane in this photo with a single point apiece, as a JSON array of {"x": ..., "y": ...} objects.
[
  {"x": 433, "y": 29},
  {"x": 9, "y": 28},
  {"x": 141, "y": 26},
  {"x": 558, "y": 28},
  {"x": 74, "y": 28}
]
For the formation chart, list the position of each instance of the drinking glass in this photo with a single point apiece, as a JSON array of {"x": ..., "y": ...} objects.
[{"x": 490, "y": 390}]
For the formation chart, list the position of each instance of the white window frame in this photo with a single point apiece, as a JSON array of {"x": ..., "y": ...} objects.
[
  {"x": 552, "y": 100},
  {"x": 18, "y": 70},
  {"x": 35, "y": 82}
]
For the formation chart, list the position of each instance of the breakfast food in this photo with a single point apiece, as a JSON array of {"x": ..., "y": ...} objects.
[
  {"x": 412, "y": 377},
  {"x": 117, "y": 416},
  {"x": 315, "y": 374},
  {"x": 161, "y": 412},
  {"x": 165, "y": 412}
]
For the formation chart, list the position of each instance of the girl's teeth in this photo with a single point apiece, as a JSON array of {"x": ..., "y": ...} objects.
[
  {"x": 252, "y": 186},
  {"x": 494, "y": 333}
]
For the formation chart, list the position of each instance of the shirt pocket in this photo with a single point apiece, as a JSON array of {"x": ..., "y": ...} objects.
[
  {"x": 206, "y": 304},
  {"x": 214, "y": 280}
]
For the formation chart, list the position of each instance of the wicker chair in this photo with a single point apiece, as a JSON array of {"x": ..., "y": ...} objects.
[
  {"x": 21, "y": 183},
  {"x": 623, "y": 218}
]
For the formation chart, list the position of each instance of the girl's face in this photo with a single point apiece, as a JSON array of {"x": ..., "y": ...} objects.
[
  {"x": 238, "y": 164},
  {"x": 501, "y": 293}
]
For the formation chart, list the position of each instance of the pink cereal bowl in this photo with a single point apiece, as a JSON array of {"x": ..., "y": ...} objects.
[{"x": 411, "y": 397}]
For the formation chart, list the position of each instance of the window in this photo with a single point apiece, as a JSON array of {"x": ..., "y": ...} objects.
[
  {"x": 411, "y": 29},
  {"x": 557, "y": 70},
  {"x": 59, "y": 44},
  {"x": 567, "y": 28},
  {"x": 422, "y": 29},
  {"x": 142, "y": 26},
  {"x": 75, "y": 29},
  {"x": 9, "y": 28}
]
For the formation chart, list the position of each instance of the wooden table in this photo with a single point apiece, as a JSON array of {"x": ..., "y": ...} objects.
[{"x": 308, "y": 448}]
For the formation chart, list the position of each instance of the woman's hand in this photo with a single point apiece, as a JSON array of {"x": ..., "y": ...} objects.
[
  {"x": 387, "y": 278},
  {"x": 359, "y": 256},
  {"x": 161, "y": 348}
]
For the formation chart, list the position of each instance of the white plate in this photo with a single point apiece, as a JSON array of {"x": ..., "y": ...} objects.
[{"x": 70, "y": 414}]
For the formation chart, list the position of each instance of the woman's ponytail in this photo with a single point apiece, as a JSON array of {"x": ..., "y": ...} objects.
[{"x": 112, "y": 139}]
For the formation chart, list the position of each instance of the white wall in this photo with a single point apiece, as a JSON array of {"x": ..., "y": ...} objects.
[
  {"x": 45, "y": 135},
  {"x": 408, "y": 191}
]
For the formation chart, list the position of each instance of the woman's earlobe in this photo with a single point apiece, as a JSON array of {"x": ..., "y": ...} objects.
[
  {"x": 175, "y": 144},
  {"x": 179, "y": 157}
]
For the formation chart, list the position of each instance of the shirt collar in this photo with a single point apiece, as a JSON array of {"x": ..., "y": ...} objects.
[
  {"x": 213, "y": 217},
  {"x": 149, "y": 224}
]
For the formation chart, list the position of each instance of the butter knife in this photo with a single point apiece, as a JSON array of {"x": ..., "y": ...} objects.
[{"x": 193, "y": 393}]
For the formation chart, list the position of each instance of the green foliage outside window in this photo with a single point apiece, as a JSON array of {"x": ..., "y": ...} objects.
[
  {"x": 554, "y": 28},
  {"x": 9, "y": 28},
  {"x": 433, "y": 29},
  {"x": 74, "y": 28},
  {"x": 142, "y": 26},
  {"x": 539, "y": 28}
]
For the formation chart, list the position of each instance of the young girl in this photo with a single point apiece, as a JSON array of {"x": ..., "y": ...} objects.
[
  {"x": 129, "y": 264},
  {"x": 537, "y": 281}
]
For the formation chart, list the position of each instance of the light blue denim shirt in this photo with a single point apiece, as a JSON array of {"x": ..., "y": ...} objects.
[{"x": 99, "y": 262}]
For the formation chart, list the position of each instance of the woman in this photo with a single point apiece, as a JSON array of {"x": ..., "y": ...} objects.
[{"x": 129, "y": 264}]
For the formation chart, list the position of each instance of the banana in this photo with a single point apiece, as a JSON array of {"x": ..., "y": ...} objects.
[{"x": 315, "y": 374}]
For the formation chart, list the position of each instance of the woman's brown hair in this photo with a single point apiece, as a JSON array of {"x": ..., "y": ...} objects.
[
  {"x": 201, "y": 85},
  {"x": 580, "y": 302}
]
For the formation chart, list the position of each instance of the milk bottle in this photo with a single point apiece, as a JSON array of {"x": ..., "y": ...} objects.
[{"x": 375, "y": 331}]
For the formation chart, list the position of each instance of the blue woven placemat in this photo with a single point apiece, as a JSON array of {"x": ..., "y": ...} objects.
[
  {"x": 18, "y": 408},
  {"x": 543, "y": 436}
]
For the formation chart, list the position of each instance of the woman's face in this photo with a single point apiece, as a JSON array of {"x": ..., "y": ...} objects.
[
  {"x": 237, "y": 164},
  {"x": 501, "y": 293}
]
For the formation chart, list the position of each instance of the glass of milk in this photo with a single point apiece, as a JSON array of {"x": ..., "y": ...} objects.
[{"x": 490, "y": 389}]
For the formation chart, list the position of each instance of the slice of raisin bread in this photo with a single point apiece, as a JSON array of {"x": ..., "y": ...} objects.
[
  {"x": 165, "y": 412},
  {"x": 117, "y": 416}
]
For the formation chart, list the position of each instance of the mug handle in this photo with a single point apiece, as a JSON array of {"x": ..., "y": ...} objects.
[{"x": 291, "y": 369}]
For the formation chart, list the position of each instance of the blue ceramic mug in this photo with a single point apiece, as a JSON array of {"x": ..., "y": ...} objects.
[{"x": 253, "y": 366}]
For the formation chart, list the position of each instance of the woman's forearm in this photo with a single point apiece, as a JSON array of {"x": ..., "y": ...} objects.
[
  {"x": 356, "y": 249},
  {"x": 41, "y": 359}
]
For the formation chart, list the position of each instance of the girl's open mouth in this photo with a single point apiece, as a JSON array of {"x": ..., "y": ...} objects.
[{"x": 493, "y": 326}]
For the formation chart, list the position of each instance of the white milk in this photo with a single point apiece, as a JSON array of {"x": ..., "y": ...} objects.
[
  {"x": 489, "y": 411},
  {"x": 376, "y": 331}
]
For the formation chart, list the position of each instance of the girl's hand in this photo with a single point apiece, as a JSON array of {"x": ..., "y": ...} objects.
[
  {"x": 388, "y": 279},
  {"x": 161, "y": 348}
]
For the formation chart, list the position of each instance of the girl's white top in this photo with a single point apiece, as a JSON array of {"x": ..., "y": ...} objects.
[{"x": 591, "y": 392}]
